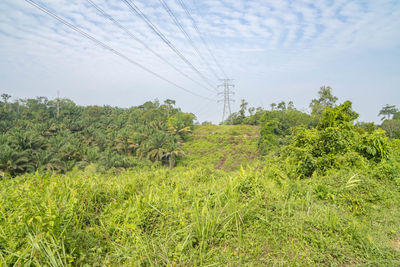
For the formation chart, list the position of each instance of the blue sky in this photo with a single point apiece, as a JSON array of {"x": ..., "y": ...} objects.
[{"x": 275, "y": 50}]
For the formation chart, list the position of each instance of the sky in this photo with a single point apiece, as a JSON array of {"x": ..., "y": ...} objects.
[{"x": 274, "y": 50}]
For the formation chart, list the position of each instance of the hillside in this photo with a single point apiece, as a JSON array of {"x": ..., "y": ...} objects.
[
  {"x": 109, "y": 155},
  {"x": 202, "y": 215},
  {"x": 222, "y": 147}
]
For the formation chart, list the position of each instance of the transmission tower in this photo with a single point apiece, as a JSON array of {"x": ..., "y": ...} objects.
[{"x": 227, "y": 93}]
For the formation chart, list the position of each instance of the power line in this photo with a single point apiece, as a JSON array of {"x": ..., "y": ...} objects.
[
  {"x": 201, "y": 105},
  {"x": 105, "y": 14},
  {"x": 109, "y": 48},
  {"x": 195, "y": 26},
  {"x": 202, "y": 113},
  {"x": 136, "y": 10},
  {"x": 182, "y": 29}
]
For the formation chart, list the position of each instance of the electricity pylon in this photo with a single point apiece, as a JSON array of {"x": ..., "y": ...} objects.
[{"x": 227, "y": 93}]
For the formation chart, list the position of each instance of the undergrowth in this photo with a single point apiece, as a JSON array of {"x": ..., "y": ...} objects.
[
  {"x": 199, "y": 217},
  {"x": 204, "y": 214},
  {"x": 225, "y": 148}
]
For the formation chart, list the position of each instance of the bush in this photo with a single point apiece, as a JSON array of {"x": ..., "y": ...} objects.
[
  {"x": 392, "y": 128},
  {"x": 335, "y": 147},
  {"x": 335, "y": 143},
  {"x": 276, "y": 127}
]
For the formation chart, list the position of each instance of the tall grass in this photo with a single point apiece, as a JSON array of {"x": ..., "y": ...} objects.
[{"x": 199, "y": 217}]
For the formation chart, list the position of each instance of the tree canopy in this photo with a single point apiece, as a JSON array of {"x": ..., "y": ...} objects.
[
  {"x": 42, "y": 134},
  {"x": 388, "y": 111},
  {"x": 326, "y": 99}
]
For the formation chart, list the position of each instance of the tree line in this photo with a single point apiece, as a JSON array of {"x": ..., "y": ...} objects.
[
  {"x": 58, "y": 135},
  {"x": 326, "y": 138},
  {"x": 288, "y": 116}
]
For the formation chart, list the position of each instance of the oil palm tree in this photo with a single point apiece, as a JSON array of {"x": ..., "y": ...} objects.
[
  {"x": 171, "y": 156},
  {"x": 13, "y": 161}
]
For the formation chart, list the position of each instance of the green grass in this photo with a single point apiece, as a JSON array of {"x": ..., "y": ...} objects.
[
  {"x": 200, "y": 216},
  {"x": 222, "y": 147}
]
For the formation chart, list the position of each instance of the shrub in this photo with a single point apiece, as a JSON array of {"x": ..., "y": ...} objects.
[
  {"x": 276, "y": 127},
  {"x": 335, "y": 143},
  {"x": 392, "y": 128}
]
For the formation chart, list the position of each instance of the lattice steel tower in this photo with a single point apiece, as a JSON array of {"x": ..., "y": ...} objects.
[{"x": 227, "y": 93}]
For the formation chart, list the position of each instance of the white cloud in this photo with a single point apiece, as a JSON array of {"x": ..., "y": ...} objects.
[{"x": 249, "y": 37}]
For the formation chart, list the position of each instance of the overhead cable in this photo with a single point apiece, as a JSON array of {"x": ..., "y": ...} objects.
[
  {"x": 136, "y": 10},
  {"x": 137, "y": 39},
  {"x": 195, "y": 26},
  {"x": 45, "y": 10},
  {"x": 187, "y": 35}
]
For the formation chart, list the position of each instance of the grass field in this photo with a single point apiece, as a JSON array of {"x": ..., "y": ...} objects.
[
  {"x": 225, "y": 148},
  {"x": 222, "y": 205}
]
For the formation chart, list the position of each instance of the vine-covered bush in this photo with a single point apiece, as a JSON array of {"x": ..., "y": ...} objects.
[
  {"x": 335, "y": 143},
  {"x": 276, "y": 127}
]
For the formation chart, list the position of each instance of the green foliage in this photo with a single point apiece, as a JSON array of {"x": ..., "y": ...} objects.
[
  {"x": 269, "y": 139},
  {"x": 199, "y": 217},
  {"x": 240, "y": 117},
  {"x": 116, "y": 206},
  {"x": 336, "y": 143},
  {"x": 392, "y": 128},
  {"x": 388, "y": 111},
  {"x": 325, "y": 100},
  {"x": 221, "y": 147},
  {"x": 181, "y": 123},
  {"x": 339, "y": 115},
  {"x": 374, "y": 146},
  {"x": 276, "y": 127},
  {"x": 35, "y": 136},
  {"x": 13, "y": 162},
  {"x": 367, "y": 126}
]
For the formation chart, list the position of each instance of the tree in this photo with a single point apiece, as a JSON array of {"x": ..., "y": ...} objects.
[
  {"x": 326, "y": 99},
  {"x": 243, "y": 108},
  {"x": 392, "y": 128},
  {"x": 335, "y": 143},
  {"x": 13, "y": 161},
  {"x": 281, "y": 106},
  {"x": 5, "y": 97},
  {"x": 369, "y": 127},
  {"x": 180, "y": 121},
  {"x": 33, "y": 137},
  {"x": 238, "y": 117},
  {"x": 276, "y": 127},
  {"x": 251, "y": 111},
  {"x": 169, "y": 105},
  {"x": 171, "y": 154},
  {"x": 388, "y": 111},
  {"x": 342, "y": 114},
  {"x": 255, "y": 116}
]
